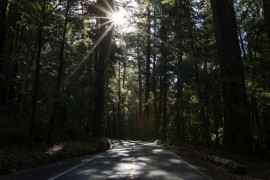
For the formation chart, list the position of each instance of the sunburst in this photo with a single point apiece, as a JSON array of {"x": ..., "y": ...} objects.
[{"x": 119, "y": 18}]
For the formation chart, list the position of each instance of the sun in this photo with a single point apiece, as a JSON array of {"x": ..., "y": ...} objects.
[
  {"x": 122, "y": 21},
  {"x": 119, "y": 18}
]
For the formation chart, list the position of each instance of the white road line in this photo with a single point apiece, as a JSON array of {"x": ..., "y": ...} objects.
[{"x": 65, "y": 172}]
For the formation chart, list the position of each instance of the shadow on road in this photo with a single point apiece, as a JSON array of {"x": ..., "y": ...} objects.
[{"x": 135, "y": 160}]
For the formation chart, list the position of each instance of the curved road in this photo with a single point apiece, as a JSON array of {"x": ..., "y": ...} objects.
[{"x": 127, "y": 160}]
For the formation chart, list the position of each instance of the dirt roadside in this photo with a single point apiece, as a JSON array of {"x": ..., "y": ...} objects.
[{"x": 257, "y": 166}]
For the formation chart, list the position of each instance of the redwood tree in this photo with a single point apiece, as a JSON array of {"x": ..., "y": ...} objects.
[
  {"x": 3, "y": 9},
  {"x": 103, "y": 54},
  {"x": 237, "y": 129},
  {"x": 266, "y": 9}
]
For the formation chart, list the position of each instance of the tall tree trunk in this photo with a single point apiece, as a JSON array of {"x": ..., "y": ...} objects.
[
  {"x": 164, "y": 98},
  {"x": 154, "y": 84},
  {"x": 114, "y": 131},
  {"x": 164, "y": 83},
  {"x": 3, "y": 10},
  {"x": 160, "y": 100},
  {"x": 59, "y": 76},
  {"x": 37, "y": 74},
  {"x": 90, "y": 76},
  {"x": 205, "y": 97},
  {"x": 179, "y": 119},
  {"x": 147, "y": 77},
  {"x": 237, "y": 129},
  {"x": 119, "y": 110},
  {"x": 141, "y": 126},
  {"x": 123, "y": 102},
  {"x": 11, "y": 65},
  {"x": 104, "y": 51},
  {"x": 155, "y": 94},
  {"x": 266, "y": 9}
]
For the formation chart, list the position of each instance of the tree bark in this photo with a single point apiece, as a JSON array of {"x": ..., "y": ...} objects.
[
  {"x": 11, "y": 65},
  {"x": 119, "y": 109},
  {"x": 141, "y": 123},
  {"x": 3, "y": 10},
  {"x": 164, "y": 99},
  {"x": 179, "y": 119},
  {"x": 266, "y": 9},
  {"x": 147, "y": 78},
  {"x": 160, "y": 100},
  {"x": 104, "y": 51},
  {"x": 154, "y": 85},
  {"x": 237, "y": 129},
  {"x": 164, "y": 84}
]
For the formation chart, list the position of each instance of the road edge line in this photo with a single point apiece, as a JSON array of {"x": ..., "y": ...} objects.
[{"x": 65, "y": 172}]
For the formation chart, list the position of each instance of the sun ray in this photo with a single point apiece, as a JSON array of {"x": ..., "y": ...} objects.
[
  {"x": 109, "y": 6},
  {"x": 101, "y": 17},
  {"x": 87, "y": 55},
  {"x": 191, "y": 56},
  {"x": 121, "y": 19},
  {"x": 102, "y": 9},
  {"x": 105, "y": 23}
]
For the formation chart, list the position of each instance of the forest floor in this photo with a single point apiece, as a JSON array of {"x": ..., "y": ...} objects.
[{"x": 257, "y": 166}]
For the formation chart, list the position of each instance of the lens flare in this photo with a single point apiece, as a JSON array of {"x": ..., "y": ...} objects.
[{"x": 119, "y": 17}]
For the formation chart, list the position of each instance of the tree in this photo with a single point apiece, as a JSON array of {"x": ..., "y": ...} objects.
[
  {"x": 139, "y": 66},
  {"x": 179, "y": 121},
  {"x": 147, "y": 76},
  {"x": 237, "y": 129},
  {"x": 3, "y": 10},
  {"x": 103, "y": 54},
  {"x": 266, "y": 9},
  {"x": 164, "y": 84},
  {"x": 154, "y": 81}
]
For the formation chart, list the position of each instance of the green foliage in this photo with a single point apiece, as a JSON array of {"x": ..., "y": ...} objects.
[
  {"x": 103, "y": 144},
  {"x": 170, "y": 2}
]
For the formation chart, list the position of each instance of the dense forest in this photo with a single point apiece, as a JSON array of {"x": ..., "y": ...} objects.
[{"x": 183, "y": 71}]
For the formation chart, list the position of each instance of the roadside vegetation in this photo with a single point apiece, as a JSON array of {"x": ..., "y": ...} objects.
[
  {"x": 17, "y": 157},
  {"x": 223, "y": 163}
]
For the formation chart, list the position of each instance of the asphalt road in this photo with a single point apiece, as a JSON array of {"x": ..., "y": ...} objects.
[{"x": 127, "y": 160}]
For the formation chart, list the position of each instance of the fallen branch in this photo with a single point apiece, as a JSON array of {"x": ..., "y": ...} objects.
[{"x": 232, "y": 165}]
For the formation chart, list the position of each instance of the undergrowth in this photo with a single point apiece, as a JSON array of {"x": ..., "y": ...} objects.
[{"x": 18, "y": 157}]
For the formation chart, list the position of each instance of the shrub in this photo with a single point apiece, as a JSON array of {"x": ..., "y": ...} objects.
[
  {"x": 103, "y": 144},
  {"x": 20, "y": 158}
]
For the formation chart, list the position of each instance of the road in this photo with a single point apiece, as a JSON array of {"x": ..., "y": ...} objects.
[{"x": 127, "y": 160}]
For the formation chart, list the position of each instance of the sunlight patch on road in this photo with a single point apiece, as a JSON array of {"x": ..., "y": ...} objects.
[
  {"x": 158, "y": 150},
  {"x": 175, "y": 161},
  {"x": 134, "y": 157}
]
